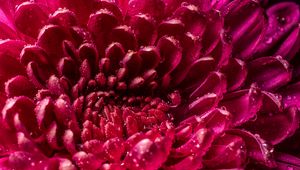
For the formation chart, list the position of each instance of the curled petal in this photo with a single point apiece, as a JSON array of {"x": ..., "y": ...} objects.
[
  {"x": 51, "y": 39},
  {"x": 248, "y": 101},
  {"x": 86, "y": 161},
  {"x": 10, "y": 65},
  {"x": 113, "y": 149},
  {"x": 143, "y": 26},
  {"x": 269, "y": 73},
  {"x": 236, "y": 72},
  {"x": 195, "y": 73},
  {"x": 147, "y": 154},
  {"x": 19, "y": 112},
  {"x": 125, "y": 36},
  {"x": 133, "y": 63},
  {"x": 230, "y": 145},
  {"x": 19, "y": 86},
  {"x": 63, "y": 17},
  {"x": 285, "y": 123},
  {"x": 170, "y": 54},
  {"x": 291, "y": 45},
  {"x": 203, "y": 104},
  {"x": 150, "y": 57},
  {"x": 100, "y": 25},
  {"x": 245, "y": 22},
  {"x": 256, "y": 147},
  {"x": 199, "y": 143},
  {"x": 30, "y": 18},
  {"x": 154, "y": 8},
  {"x": 115, "y": 52},
  {"x": 81, "y": 8},
  {"x": 283, "y": 18},
  {"x": 290, "y": 95},
  {"x": 214, "y": 83},
  {"x": 44, "y": 113}
]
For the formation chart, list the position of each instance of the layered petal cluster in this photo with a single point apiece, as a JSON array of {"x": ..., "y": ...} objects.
[{"x": 149, "y": 84}]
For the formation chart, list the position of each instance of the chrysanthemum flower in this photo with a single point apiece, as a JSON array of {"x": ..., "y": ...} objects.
[{"x": 149, "y": 84}]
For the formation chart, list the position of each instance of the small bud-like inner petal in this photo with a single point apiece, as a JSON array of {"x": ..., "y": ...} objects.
[{"x": 30, "y": 18}]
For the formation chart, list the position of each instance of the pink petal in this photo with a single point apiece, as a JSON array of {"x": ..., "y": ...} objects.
[
  {"x": 230, "y": 145},
  {"x": 170, "y": 54},
  {"x": 19, "y": 113},
  {"x": 248, "y": 101},
  {"x": 256, "y": 147},
  {"x": 63, "y": 17},
  {"x": 235, "y": 72},
  {"x": 154, "y": 8},
  {"x": 290, "y": 95},
  {"x": 30, "y": 18},
  {"x": 19, "y": 86},
  {"x": 10, "y": 65},
  {"x": 283, "y": 18},
  {"x": 51, "y": 39},
  {"x": 245, "y": 22},
  {"x": 147, "y": 154},
  {"x": 100, "y": 25},
  {"x": 214, "y": 83},
  {"x": 143, "y": 26},
  {"x": 269, "y": 73},
  {"x": 125, "y": 36}
]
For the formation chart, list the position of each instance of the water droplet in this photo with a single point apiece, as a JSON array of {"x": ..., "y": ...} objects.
[
  {"x": 269, "y": 40},
  {"x": 281, "y": 20}
]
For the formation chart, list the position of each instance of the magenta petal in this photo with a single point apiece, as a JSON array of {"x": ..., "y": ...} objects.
[
  {"x": 64, "y": 112},
  {"x": 63, "y": 17},
  {"x": 125, "y": 36},
  {"x": 30, "y": 18},
  {"x": 245, "y": 21},
  {"x": 199, "y": 143},
  {"x": 143, "y": 26},
  {"x": 211, "y": 35},
  {"x": 230, "y": 145},
  {"x": 7, "y": 32},
  {"x": 285, "y": 123},
  {"x": 33, "y": 53},
  {"x": 256, "y": 147},
  {"x": 154, "y": 8},
  {"x": 19, "y": 113},
  {"x": 193, "y": 162},
  {"x": 214, "y": 83},
  {"x": 172, "y": 27},
  {"x": 147, "y": 154},
  {"x": 291, "y": 95},
  {"x": 44, "y": 113},
  {"x": 194, "y": 74},
  {"x": 81, "y": 8},
  {"x": 235, "y": 72},
  {"x": 150, "y": 57},
  {"x": 286, "y": 161},
  {"x": 191, "y": 49},
  {"x": 100, "y": 25},
  {"x": 133, "y": 63},
  {"x": 272, "y": 116},
  {"x": 283, "y": 18},
  {"x": 86, "y": 161},
  {"x": 170, "y": 54},
  {"x": 203, "y": 104},
  {"x": 19, "y": 86},
  {"x": 291, "y": 45},
  {"x": 51, "y": 39},
  {"x": 248, "y": 101},
  {"x": 194, "y": 21},
  {"x": 269, "y": 73}
]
